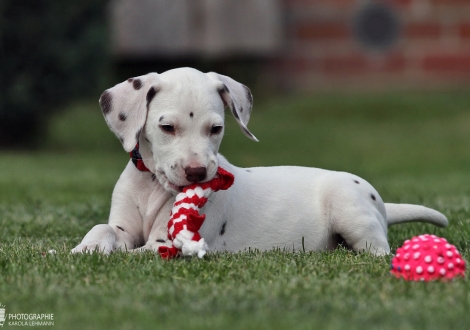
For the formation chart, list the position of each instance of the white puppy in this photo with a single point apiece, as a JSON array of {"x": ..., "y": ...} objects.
[{"x": 177, "y": 118}]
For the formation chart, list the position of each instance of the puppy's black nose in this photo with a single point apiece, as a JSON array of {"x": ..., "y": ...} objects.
[{"x": 195, "y": 174}]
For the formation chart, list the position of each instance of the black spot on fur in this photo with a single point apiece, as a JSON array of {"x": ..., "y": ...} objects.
[
  {"x": 122, "y": 116},
  {"x": 249, "y": 171},
  {"x": 248, "y": 94},
  {"x": 120, "y": 228},
  {"x": 147, "y": 140},
  {"x": 161, "y": 118},
  {"x": 241, "y": 109},
  {"x": 121, "y": 139},
  {"x": 222, "y": 230},
  {"x": 191, "y": 115},
  {"x": 154, "y": 177},
  {"x": 130, "y": 80},
  {"x": 356, "y": 181},
  {"x": 150, "y": 95},
  {"x": 137, "y": 84},
  {"x": 224, "y": 244},
  {"x": 160, "y": 240},
  {"x": 372, "y": 196},
  {"x": 106, "y": 102}
]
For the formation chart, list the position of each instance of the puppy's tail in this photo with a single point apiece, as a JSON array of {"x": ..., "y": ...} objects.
[{"x": 399, "y": 213}]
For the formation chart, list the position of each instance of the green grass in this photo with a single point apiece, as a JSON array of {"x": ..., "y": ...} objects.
[{"x": 413, "y": 147}]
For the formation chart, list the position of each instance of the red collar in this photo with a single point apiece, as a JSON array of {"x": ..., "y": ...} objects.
[{"x": 137, "y": 159}]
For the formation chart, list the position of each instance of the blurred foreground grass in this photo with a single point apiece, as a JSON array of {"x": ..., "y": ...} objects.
[{"x": 411, "y": 146}]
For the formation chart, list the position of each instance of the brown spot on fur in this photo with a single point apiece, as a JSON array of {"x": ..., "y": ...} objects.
[
  {"x": 249, "y": 96},
  {"x": 106, "y": 102},
  {"x": 150, "y": 95},
  {"x": 137, "y": 84}
]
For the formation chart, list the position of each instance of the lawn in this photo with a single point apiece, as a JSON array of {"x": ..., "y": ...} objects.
[{"x": 413, "y": 147}]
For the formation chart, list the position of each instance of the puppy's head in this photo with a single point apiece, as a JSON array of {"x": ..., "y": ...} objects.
[{"x": 177, "y": 118}]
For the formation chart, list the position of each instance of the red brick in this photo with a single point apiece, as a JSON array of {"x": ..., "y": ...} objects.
[
  {"x": 322, "y": 31},
  {"x": 450, "y": 63},
  {"x": 300, "y": 65},
  {"x": 423, "y": 30},
  {"x": 464, "y": 30},
  {"x": 295, "y": 65},
  {"x": 401, "y": 2},
  {"x": 394, "y": 63},
  {"x": 345, "y": 65},
  {"x": 449, "y": 2},
  {"x": 323, "y": 3}
]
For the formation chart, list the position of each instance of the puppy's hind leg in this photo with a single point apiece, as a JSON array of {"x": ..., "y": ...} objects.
[
  {"x": 357, "y": 213},
  {"x": 368, "y": 237}
]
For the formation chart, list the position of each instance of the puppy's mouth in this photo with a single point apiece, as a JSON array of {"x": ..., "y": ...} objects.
[
  {"x": 175, "y": 187},
  {"x": 167, "y": 183},
  {"x": 171, "y": 186}
]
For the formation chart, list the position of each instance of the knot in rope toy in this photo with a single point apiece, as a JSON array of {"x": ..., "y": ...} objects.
[
  {"x": 185, "y": 219},
  {"x": 427, "y": 258}
]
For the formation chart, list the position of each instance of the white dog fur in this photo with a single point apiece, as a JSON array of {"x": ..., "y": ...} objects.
[{"x": 178, "y": 119}]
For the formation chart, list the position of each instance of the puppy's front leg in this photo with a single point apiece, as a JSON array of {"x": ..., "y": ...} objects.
[
  {"x": 101, "y": 238},
  {"x": 158, "y": 235},
  {"x": 124, "y": 228}
]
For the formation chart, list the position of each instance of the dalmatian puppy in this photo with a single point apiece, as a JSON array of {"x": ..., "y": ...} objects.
[{"x": 177, "y": 120}]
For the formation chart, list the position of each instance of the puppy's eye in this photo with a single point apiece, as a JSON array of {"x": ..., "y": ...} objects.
[
  {"x": 168, "y": 129},
  {"x": 216, "y": 130}
]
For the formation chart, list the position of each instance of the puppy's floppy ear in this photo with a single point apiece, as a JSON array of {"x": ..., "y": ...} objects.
[
  {"x": 125, "y": 107},
  {"x": 239, "y": 99}
]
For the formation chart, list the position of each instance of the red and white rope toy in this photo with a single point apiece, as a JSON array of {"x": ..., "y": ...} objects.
[{"x": 185, "y": 219}]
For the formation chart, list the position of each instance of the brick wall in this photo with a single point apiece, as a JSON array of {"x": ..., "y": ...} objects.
[{"x": 429, "y": 44}]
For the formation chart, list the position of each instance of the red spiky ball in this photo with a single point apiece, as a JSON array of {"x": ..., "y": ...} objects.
[{"x": 427, "y": 258}]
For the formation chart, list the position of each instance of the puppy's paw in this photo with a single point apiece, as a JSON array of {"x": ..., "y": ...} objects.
[
  {"x": 154, "y": 245},
  {"x": 101, "y": 238},
  {"x": 90, "y": 247}
]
